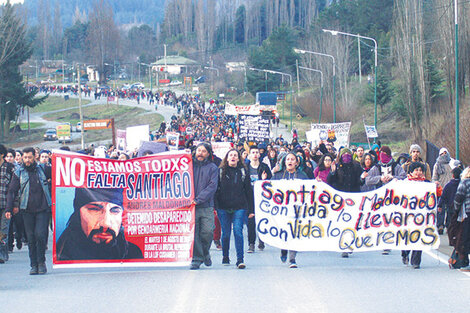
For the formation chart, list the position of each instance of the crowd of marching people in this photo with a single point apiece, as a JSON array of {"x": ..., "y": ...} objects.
[{"x": 224, "y": 197}]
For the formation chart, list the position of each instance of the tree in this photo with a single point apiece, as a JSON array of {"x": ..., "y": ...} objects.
[
  {"x": 240, "y": 21},
  {"x": 384, "y": 89},
  {"x": 103, "y": 37},
  {"x": 15, "y": 50},
  {"x": 276, "y": 53}
]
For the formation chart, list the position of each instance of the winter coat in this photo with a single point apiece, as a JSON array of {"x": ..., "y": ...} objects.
[
  {"x": 462, "y": 196},
  {"x": 448, "y": 194},
  {"x": 427, "y": 171},
  {"x": 375, "y": 174},
  {"x": 205, "y": 175},
  {"x": 442, "y": 172},
  {"x": 234, "y": 191},
  {"x": 347, "y": 177}
]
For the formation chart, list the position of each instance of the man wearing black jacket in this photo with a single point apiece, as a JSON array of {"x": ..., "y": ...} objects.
[
  {"x": 28, "y": 191},
  {"x": 257, "y": 171}
]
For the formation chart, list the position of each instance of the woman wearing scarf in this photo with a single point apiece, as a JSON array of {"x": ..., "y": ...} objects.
[
  {"x": 323, "y": 168},
  {"x": 367, "y": 163}
]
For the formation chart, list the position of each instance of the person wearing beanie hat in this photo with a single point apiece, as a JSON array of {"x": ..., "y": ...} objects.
[
  {"x": 94, "y": 230},
  {"x": 415, "y": 156}
]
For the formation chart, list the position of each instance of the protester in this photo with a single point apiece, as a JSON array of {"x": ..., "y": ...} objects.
[
  {"x": 34, "y": 201},
  {"x": 446, "y": 202},
  {"x": 416, "y": 173},
  {"x": 442, "y": 173},
  {"x": 205, "y": 185},
  {"x": 323, "y": 168},
  {"x": 234, "y": 197},
  {"x": 346, "y": 175},
  {"x": 257, "y": 171},
  {"x": 367, "y": 163},
  {"x": 359, "y": 154},
  {"x": 6, "y": 173},
  {"x": 415, "y": 153},
  {"x": 462, "y": 234},
  {"x": 290, "y": 164}
]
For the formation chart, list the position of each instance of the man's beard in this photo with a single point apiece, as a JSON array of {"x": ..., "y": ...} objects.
[
  {"x": 100, "y": 231},
  {"x": 30, "y": 167}
]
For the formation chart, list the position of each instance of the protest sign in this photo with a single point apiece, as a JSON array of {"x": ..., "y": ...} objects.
[
  {"x": 109, "y": 212},
  {"x": 306, "y": 215},
  {"x": 121, "y": 140},
  {"x": 135, "y": 135},
  {"x": 219, "y": 149},
  {"x": 254, "y": 127},
  {"x": 336, "y": 134},
  {"x": 371, "y": 131},
  {"x": 231, "y": 109},
  {"x": 172, "y": 140}
]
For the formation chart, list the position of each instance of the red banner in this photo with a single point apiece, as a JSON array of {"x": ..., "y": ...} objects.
[
  {"x": 110, "y": 212},
  {"x": 164, "y": 81}
]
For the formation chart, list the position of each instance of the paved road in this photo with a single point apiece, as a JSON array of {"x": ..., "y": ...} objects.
[{"x": 324, "y": 282}]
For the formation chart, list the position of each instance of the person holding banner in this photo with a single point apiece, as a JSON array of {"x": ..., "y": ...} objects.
[
  {"x": 384, "y": 172},
  {"x": 416, "y": 172},
  {"x": 323, "y": 169},
  {"x": 94, "y": 230},
  {"x": 258, "y": 171},
  {"x": 234, "y": 197},
  {"x": 205, "y": 185},
  {"x": 346, "y": 175},
  {"x": 290, "y": 171}
]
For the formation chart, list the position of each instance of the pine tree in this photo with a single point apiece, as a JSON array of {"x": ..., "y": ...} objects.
[{"x": 14, "y": 51}]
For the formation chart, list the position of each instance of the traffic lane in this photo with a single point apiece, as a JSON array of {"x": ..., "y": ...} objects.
[{"x": 325, "y": 282}]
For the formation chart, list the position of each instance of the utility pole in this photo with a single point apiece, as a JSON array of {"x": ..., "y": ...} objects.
[
  {"x": 80, "y": 106},
  {"x": 360, "y": 63},
  {"x": 298, "y": 79},
  {"x": 457, "y": 106},
  {"x": 166, "y": 70}
]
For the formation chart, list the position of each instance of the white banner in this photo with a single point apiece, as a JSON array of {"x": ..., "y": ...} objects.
[
  {"x": 336, "y": 134},
  {"x": 371, "y": 131},
  {"x": 231, "y": 109},
  {"x": 135, "y": 135},
  {"x": 220, "y": 149},
  {"x": 306, "y": 215}
]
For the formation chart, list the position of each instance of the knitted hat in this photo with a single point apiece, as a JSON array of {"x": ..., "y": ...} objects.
[
  {"x": 414, "y": 147},
  {"x": 86, "y": 195}
]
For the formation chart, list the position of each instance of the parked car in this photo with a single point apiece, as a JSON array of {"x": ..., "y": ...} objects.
[
  {"x": 50, "y": 134},
  {"x": 175, "y": 83},
  {"x": 200, "y": 80},
  {"x": 137, "y": 86}
]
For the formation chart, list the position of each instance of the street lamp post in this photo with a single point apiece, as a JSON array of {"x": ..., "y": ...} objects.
[
  {"x": 335, "y": 33},
  {"x": 334, "y": 75},
  {"x": 321, "y": 89},
  {"x": 212, "y": 69}
]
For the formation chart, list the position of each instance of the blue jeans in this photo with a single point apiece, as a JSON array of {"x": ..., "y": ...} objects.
[
  {"x": 236, "y": 219},
  {"x": 37, "y": 230}
]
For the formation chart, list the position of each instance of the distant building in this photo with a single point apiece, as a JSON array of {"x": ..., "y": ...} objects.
[
  {"x": 175, "y": 65},
  {"x": 93, "y": 74}
]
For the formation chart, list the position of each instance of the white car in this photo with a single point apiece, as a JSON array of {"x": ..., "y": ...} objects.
[
  {"x": 137, "y": 86},
  {"x": 175, "y": 83}
]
